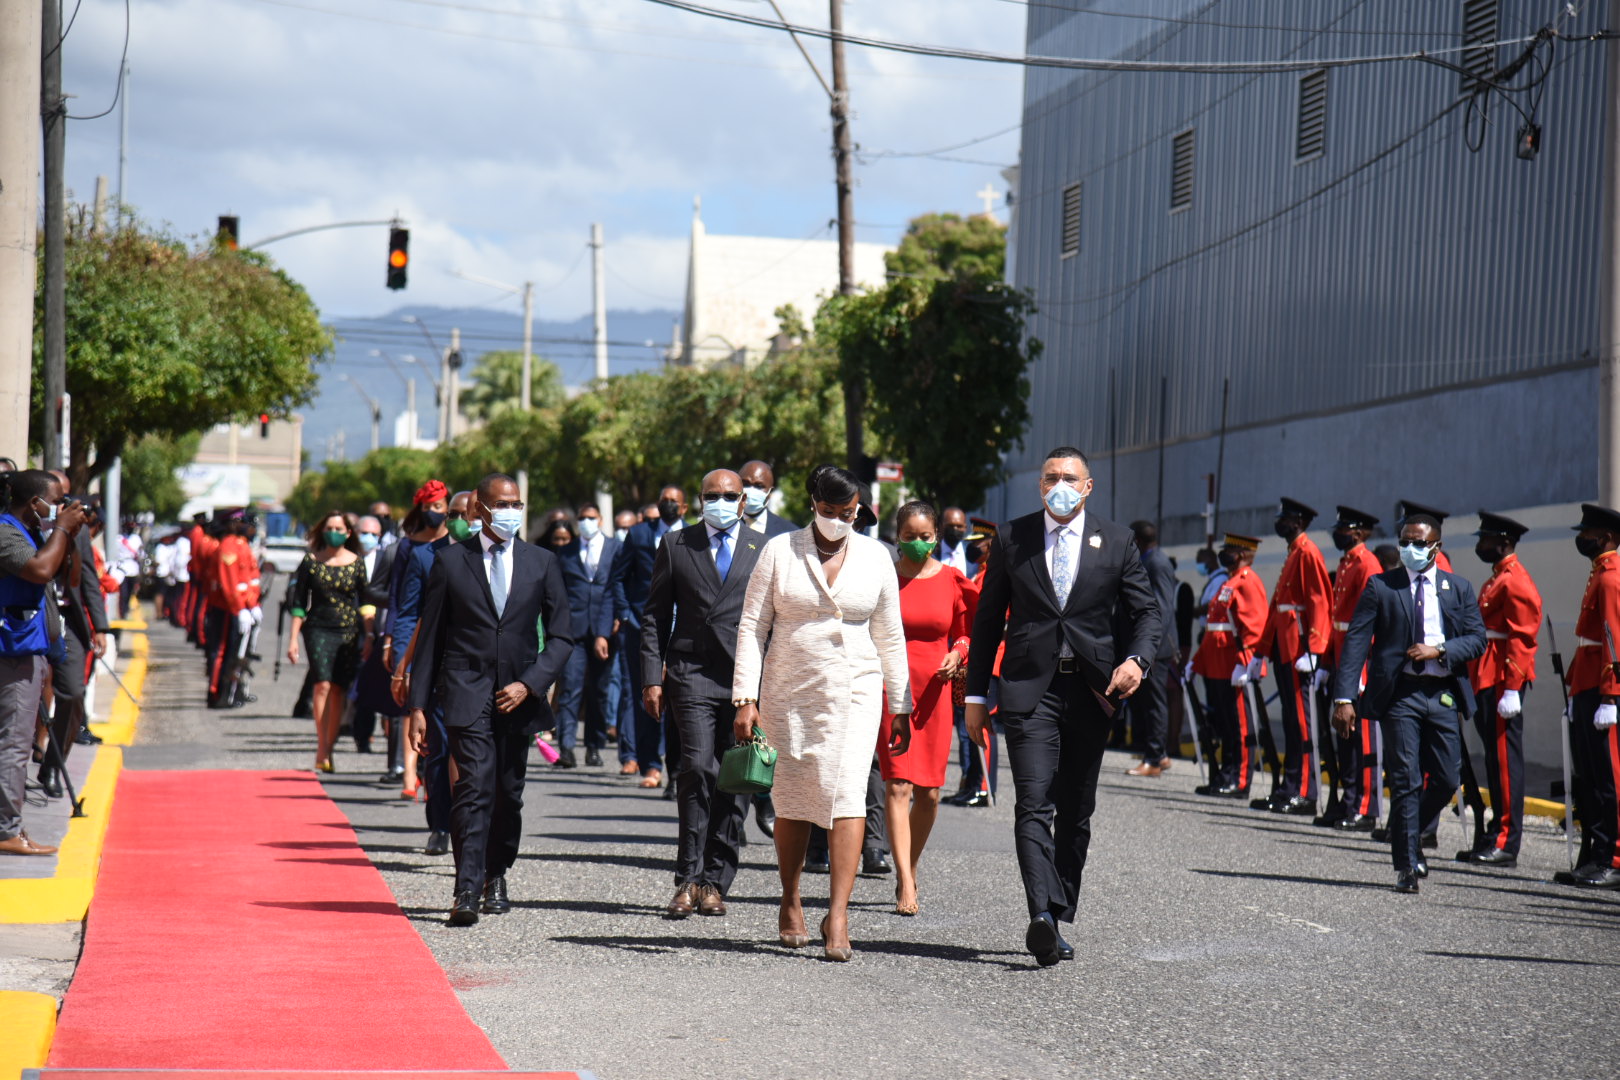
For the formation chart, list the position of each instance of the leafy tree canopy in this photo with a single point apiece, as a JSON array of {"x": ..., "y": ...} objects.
[
  {"x": 149, "y": 482},
  {"x": 494, "y": 384},
  {"x": 950, "y": 246}
]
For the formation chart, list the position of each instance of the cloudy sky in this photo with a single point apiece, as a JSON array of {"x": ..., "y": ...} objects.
[{"x": 501, "y": 129}]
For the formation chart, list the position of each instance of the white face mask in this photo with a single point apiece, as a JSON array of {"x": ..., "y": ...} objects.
[
  {"x": 832, "y": 528},
  {"x": 589, "y": 527}
]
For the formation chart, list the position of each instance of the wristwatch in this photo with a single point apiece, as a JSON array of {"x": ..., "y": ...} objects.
[{"x": 1141, "y": 663}]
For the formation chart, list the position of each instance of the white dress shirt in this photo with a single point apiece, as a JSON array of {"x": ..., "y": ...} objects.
[
  {"x": 1434, "y": 630},
  {"x": 758, "y": 521},
  {"x": 590, "y": 553},
  {"x": 489, "y": 541}
]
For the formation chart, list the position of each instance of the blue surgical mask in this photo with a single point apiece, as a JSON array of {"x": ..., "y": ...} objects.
[
  {"x": 368, "y": 542},
  {"x": 475, "y": 526},
  {"x": 754, "y": 500},
  {"x": 589, "y": 527},
  {"x": 620, "y": 534},
  {"x": 720, "y": 513},
  {"x": 1063, "y": 500},
  {"x": 1416, "y": 557},
  {"x": 505, "y": 524}
]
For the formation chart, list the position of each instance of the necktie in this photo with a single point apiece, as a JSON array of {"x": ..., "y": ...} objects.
[
  {"x": 1417, "y": 619},
  {"x": 722, "y": 553},
  {"x": 1062, "y": 567},
  {"x": 497, "y": 577}
]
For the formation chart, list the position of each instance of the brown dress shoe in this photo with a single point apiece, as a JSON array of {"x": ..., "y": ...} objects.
[
  {"x": 653, "y": 779},
  {"x": 1144, "y": 769},
  {"x": 629, "y": 768},
  {"x": 710, "y": 902},
  {"x": 1164, "y": 764},
  {"x": 685, "y": 902},
  {"x": 21, "y": 845}
]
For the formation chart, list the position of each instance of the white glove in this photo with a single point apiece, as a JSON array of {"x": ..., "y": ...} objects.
[
  {"x": 1604, "y": 718},
  {"x": 1240, "y": 675},
  {"x": 1508, "y": 705},
  {"x": 258, "y": 615},
  {"x": 1320, "y": 679},
  {"x": 1305, "y": 664},
  {"x": 1257, "y": 668},
  {"x": 1187, "y": 672},
  {"x": 244, "y": 621}
]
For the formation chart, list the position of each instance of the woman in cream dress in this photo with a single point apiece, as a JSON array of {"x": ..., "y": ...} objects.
[{"x": 818, "y": 645}]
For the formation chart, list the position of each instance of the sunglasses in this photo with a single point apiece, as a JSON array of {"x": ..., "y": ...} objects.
[{"x": 716, "y": 496}]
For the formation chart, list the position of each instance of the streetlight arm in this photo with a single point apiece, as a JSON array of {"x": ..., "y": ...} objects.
[{"x": 394, "y": 222}]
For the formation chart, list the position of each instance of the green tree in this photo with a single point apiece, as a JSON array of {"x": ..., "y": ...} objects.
[
  {"x": 939, "y": 246},
  {"x": 149, "y": 480},
  {"x": 166, "y": 340},
  {"x": 390, "y": 473},
  {"x": 494, "y": 384}
]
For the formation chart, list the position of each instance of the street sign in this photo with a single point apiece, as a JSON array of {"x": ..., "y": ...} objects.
[{"x": 890, "y": 472}]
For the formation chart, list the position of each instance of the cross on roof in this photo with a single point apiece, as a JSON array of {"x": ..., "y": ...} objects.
[{"x": 990, "y": 196}]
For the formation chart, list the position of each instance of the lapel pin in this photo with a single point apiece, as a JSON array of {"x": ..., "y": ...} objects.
[
  {"x": 1096, "y": 541},
  {"x": 1445, "y": 586}
]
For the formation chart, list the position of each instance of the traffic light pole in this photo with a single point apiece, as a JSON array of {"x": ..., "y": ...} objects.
[
  {"x": 1609, "y": 279},
  {"x": 392, "y": 222}
]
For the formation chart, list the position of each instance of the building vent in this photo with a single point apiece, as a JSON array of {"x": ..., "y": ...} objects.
[
  {"x": 1071, "y": 220},
  {"x": 1479, "y": 30},
  {"x": 1311, "y": 139},
  {"x": 1181, "y": 172}
]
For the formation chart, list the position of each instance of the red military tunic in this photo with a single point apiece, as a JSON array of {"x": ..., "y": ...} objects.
[
  {"x": 1356, "y": 567},
  {"x": 1600, "y": 608},
  {"x": 203, "y": 570},
  {"x": 1511, "y": 607},
  {"x": 236, "y": 581},
  {"x": 1236, "y": 620},
  {"x": 1303, "y": 602}
]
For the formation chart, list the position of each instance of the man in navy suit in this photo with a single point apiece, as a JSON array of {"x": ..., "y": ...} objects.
[
  {"x": 641, "y": 549},
  {"x": 593, "y": 569},
  {"x": 1415, "y": 629}
]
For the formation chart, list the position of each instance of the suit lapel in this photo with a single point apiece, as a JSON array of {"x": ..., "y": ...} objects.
[
  {"x": 475, "y": 559},
  {"x": 1034, "y": 543},
  {"x": 525, "y": 575},
  {"x": 1086, "y": 558},
  {"x": 1404, "y": 597},
  {"x": 696, "y": 542}
]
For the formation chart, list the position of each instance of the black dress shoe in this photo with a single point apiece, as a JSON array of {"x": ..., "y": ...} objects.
[
  {"x": 980, "y": 798},
  {"x": 1357, "y": 823},
  {"x": 495, "y": 901},
  {"x": 86, "y": 737},
  {"x": 1421, "y": 869},
  {"x": 1041, "y": 939},
  {"x": 592, "y": 757},
  {"x": 815, "y": 862},
  {"x": 1598, "y": 877},
  {"x": 1260, "y": 804},
  {"x": 1429, "y": 841},
  {"x": 438, "y": 843},
  {"x": 1294, "y": 806},
  {"x": 1489, "y": 857},
  {"x": 1406, "y": 882},
  {"x": 1380, "y": 834},
  {"x": 565, "y": 760},
  {"x": 875, "y": 864},
  {"x": 765, "y": 816},
  {"x": 1232, "y": 791},
  {"x": 464, "y": 910},
  {"x": 51, "y": 780},
  {"x": 1065, "y": 950},
  {"x": 959, "y": 798}
]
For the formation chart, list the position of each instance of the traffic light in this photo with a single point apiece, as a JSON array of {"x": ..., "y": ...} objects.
[
  {"x": 227, "y": 232},
  {"x": 399, "y": 256},
  {"x": 264, "y": 425}
]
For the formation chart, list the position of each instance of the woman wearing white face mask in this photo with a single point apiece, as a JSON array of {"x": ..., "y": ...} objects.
[{"x": 827, "y": 602}]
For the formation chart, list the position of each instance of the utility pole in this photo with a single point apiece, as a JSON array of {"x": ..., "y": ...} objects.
[
  {"x": 452, "y": 390},
  {"x": 19, "y": 217},
  {"x": 123, "y": 134},
  {"x": 843, "y": 155},
  {"x": 524, "y": 397},
  {"x": 98, "y": 215},
  {"x": 604, "y": 498},
  {"x": 1609, "y": 280},
  {"x": 53, "y": 112}
]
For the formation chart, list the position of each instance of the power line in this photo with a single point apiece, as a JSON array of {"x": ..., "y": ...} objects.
[{"x": 119, "y": 90}]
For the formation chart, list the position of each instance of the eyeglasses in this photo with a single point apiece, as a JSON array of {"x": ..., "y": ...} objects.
[
  {"x": 716, "y": 496},
  {"x": 506, "y": 504}
]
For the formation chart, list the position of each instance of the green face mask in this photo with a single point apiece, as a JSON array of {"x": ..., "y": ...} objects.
[
  {"x": 459, "y": 529},
  {"x": 335, "y": 538},
  {"x": 917, "y": 550}
]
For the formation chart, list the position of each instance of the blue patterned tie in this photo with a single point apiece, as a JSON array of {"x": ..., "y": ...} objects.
[
  {"x": 1062, "y": 567},
  {"x": 497, "y": 578},
  {"x": 722, "y": 554}
]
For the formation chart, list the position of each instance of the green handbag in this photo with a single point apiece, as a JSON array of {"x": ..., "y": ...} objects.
[{"x": 749, "y": 767}]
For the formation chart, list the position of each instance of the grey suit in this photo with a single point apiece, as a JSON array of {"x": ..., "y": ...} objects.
[{"x": 689, "y": 647}]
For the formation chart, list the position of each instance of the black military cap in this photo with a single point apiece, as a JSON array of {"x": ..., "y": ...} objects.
[
  {"x": 1594, "y": 516},
  {"x": 1496, "y": 525},
  {"x": 1295, "y": 508},
  {"x": 1407, "y": 508},
  {"x": 982, "y": 528},
  {"x": 1241, "y": 542},
  {"x": 1351, "y": 518}
]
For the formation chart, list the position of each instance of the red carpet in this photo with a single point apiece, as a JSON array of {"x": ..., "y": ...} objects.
[{"x": 237, "y": 925}]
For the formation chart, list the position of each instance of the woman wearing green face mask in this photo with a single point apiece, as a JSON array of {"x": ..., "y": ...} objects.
[
  {"x": 936, "y": 607},
  {"x": 326, "y": 608}
]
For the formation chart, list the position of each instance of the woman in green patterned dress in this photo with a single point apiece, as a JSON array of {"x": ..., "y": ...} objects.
[{"x": 326, "y": 607}]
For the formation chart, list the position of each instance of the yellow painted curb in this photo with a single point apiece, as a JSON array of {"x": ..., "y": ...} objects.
[
  {"x": 65, "y": 897},
  {"x": 29, "y": 1021},
  {"x": 119, "y": 730}
]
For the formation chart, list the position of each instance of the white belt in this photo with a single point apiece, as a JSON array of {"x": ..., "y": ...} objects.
[
  {"x": 1341, "y": 625},
  {"x": 1587, "y": 643},
  {"x": 1222, "y": 627},
  {"x": 1496, "y": 635},
  {"x": 1289, "y": 607}
]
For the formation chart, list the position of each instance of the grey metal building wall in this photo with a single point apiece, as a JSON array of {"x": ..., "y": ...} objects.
[{"x": 1396, "y": 263}]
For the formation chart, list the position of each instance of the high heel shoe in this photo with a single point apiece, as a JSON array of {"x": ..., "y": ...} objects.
[
  {"x": 792, "y": 939},
  {"x": 837, "y": 953},
  {"x": 903, "y": 909},
  {"x": 408, "y": 792},
  {"x": 325, "y": 766}
]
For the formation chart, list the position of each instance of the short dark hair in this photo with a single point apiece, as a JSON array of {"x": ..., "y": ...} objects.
[
  {"x": 490, "y": 481},
  {"x": 916, "y": 508},
  {"x": 1422, "y": 519},
  {"x": 1069, "y": 452},
  {"x": 1146, "y": 532},
  {"x": 30, "y": 484},
  {"x": 831, "y": 484}
]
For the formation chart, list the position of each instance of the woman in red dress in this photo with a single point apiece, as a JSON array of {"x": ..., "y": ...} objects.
[{"x": 936, "y": 607}]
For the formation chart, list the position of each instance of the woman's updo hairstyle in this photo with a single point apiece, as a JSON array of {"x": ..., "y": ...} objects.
[
  {"x": 830, "y": 484},
  {"x": 916, "y": 508}
]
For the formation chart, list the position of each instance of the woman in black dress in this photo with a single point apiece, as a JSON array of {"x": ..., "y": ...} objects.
[{"x": 326, "y": 607}]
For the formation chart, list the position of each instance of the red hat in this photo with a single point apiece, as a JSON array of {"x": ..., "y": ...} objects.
[{"x": 432, "y": 491}]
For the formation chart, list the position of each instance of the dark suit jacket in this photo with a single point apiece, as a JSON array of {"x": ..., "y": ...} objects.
[
  {"x": 1017, "y": 589},
  {"x": 382, "y": 575},
  {"x": 1381, "y": 632},
  {"x": 594, "y": 602},
  {"x": 84, "y": 613},
  {"x": 641, "y": 547},
  {"x": 1163, "y": 578},
  {"x": 690, "y": 622},
  {"x": 775, "y": 525},
  {"x": 464, "y": 653}
]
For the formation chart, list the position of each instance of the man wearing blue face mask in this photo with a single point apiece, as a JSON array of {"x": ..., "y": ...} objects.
[
  {"x": 1415, "y": 630},
  {"x": 758, "y": 483}
]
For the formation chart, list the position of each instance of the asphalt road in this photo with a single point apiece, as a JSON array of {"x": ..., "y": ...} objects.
[{"x": 1212, "y": 940}]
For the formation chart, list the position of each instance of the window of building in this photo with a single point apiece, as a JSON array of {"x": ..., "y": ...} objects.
[
  {"x": 1071, "y": 220},
  {"x": 1310, "y": 139},
  {"x": 1479, "y": 30},
  {"x": 1181, "y": 171}
]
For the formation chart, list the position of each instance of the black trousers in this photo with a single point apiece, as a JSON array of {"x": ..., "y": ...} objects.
[
  {"x": 711, "y": 821},
  {"x": 1596, "y": 757},
  {"x": 1055, "y": 752},
  {"x": 67, "y": 680},
  {"x": 486, "y": 809},
  {"x": 1150, "y": 715},
  {"x": 1423, "y": 755},
  {"x": 1227, "y": 706},
  {"x": 224, "y": 642},
  {"x": 1504, "y": 766}
]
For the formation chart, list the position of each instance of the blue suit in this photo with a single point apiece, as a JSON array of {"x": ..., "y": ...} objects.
[
  {"x": 594, "y": 602},
  {"x": 645, "y": 732},
  {"x": 1418, "y": 714}
]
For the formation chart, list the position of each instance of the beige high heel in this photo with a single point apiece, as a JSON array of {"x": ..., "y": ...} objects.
[{"x": 837, "y": 953}]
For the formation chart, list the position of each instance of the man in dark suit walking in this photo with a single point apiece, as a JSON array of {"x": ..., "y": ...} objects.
[
  {"x": 688, "y": 650},
  {"x": 1150, "y": 706},
  {"x": 478, "y": 652},
  {"x": 641, "y": 548},
  {"x": 1415, "y": 629},
  {"x": 759, "y": 480},
  {"x": 1054, "y": 581},
  {"x": 593, "y": 567}
]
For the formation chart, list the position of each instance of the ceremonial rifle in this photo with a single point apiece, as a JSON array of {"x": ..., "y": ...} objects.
[{"x": 1569, "y": 772}]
